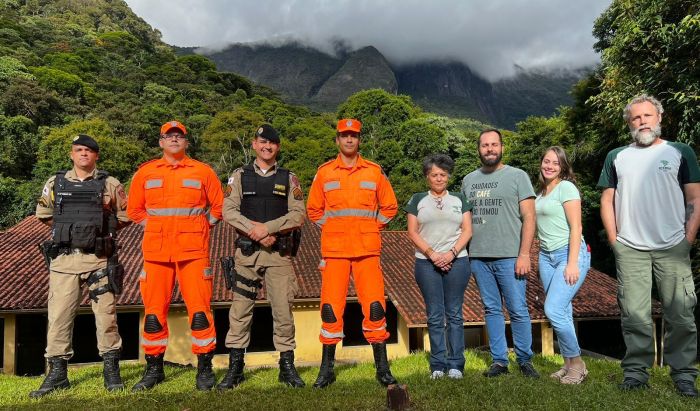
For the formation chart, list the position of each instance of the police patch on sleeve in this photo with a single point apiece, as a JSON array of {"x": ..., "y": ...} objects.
[
  {"x": 295, "y": 181},
  {"x": 45, "y": 191}
]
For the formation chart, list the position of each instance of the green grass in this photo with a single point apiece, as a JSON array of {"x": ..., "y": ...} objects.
[{"x": 356, "y": 389}]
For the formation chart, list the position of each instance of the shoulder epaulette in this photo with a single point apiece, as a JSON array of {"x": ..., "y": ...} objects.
[
  {"x": 326, "y": 163},
  {"x": 149, "y": 162}
]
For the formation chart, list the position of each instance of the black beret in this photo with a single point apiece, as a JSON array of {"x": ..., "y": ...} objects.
[
  {"x": 267, "y": 132},
  {"x": 87, "y": 141}
]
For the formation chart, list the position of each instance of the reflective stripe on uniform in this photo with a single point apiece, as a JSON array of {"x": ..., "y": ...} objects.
[
  {"x": 143, "y": 222},
  {"x": 208, "y": 272},
  {"x": 154, "y": 183},
  {"x": 164, "y": 341},
  {"x": 382, "y": 219},
  {"x": 383, "y": 327},
  {"x": 331, "y": 185},
  {"x": 204, "y": 342},
  {"x": 329, "y": 334},
  {"x": 191, "y": 183},
  {"x": 169, "y": 212},
  {"x": 322, "y": 264},
  {"x": 142, "y": 276},
  {"x": 212, "y": 220},
  {"x": 350, "y": 212},
  {"x": 371, "y": 185}
]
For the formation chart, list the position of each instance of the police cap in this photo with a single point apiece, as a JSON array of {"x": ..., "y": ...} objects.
[
  {"x": 87, "y": 141},
  {"x": 267, "y": 132}
]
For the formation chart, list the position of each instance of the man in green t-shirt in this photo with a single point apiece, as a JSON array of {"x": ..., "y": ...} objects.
[
  {"x": 650, "y": 209},
  {"x": 503, "y": 224}
]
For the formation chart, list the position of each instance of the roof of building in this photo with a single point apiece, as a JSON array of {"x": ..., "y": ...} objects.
[{"x": 24, "y": 277}]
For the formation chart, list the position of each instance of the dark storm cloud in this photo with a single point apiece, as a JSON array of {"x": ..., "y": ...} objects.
[{"x": 489, "y": 36}]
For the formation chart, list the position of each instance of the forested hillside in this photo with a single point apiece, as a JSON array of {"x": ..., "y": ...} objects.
[{"x": 92, "y": 66}]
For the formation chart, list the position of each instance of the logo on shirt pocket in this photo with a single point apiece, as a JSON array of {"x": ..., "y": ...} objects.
[{"x": 664, "y": 166}]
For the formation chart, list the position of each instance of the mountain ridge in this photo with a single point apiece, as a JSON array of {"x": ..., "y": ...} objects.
[{"x": 304, "y": 75}]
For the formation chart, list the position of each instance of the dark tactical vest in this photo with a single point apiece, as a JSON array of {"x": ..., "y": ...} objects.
[
  {"x": 264, "y": 198},
  {"x": 78, "y": 213}
]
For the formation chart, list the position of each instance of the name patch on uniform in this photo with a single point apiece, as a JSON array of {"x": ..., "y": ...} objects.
[{"x": 280, "y": 190}]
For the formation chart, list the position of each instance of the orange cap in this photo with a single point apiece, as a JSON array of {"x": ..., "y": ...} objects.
[
  {"x": 349, "y": 124},
  {"x": 172, "y": 124}
]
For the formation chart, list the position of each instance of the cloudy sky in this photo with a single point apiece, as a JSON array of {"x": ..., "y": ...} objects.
[{"x": 490, "y": 36}]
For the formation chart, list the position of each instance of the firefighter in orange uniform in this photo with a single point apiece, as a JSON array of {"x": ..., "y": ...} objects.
[
  {"x": 176, "y": 199},
  {"x": 351, "y": 200}
]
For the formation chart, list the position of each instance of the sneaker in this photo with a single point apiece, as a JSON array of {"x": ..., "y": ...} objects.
[
  {"x": 454, "y": 374},
  {"x": 528, "y": 370},
  {"x": 436, "y": 375},
  {"x": 495, "y": 370},
  {"x": 632, "y": 384}
]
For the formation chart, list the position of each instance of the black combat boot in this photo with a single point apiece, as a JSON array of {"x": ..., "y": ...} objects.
[
  {"x": 153, "y": 374},
  {"x": 110, "y": 371},
  {"x": 56, "y": 378},
  {"x": 205, "y": 373},
  {"x": 234, "y": 375},
  {"x": 326, "y": 376},
  {"x": 382, "y": 365},
  {"x": 288, "y": 373}
]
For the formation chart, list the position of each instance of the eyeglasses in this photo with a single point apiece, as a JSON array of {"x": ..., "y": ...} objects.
[{"x": 176, "y": 136}]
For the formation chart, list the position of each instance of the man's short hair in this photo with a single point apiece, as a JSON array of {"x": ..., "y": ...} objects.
[
  {"x": 489, "y": 130},
  {"x": 641, "y": 99}
]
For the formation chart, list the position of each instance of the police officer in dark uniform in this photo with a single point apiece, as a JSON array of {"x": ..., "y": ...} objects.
[
  {"x": 265, "y": 204},
  {"x": 84, "y": 207}
]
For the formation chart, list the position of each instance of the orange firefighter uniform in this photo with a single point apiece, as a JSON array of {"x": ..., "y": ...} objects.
[
  {"x": 351, "y": 204},
  {"x": 176, "y": 205}
]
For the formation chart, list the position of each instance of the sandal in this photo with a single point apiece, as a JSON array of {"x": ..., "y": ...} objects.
[
  {"x": 559, "y": 374},
  {"x": 574, "y": 376}
]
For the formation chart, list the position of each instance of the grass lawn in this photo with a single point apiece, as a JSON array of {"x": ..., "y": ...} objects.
[{"x": 356, "y": 389}]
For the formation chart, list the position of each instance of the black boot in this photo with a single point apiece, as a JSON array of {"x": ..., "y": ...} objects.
[
  {"x": 153, "y": 374},
  {"x": 326, "y": 376},
  {"x": 382, "y": 365},
  {"x": 288, "y": 373},
  {"x": 205, "y": 373},
  {"x": 234, "y": 375},
  {"x": 110, "y": 371},
  {"x": 56, "y": 378}
]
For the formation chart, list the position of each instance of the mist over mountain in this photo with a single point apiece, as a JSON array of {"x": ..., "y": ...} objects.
[{"x": 304, "y": 75}]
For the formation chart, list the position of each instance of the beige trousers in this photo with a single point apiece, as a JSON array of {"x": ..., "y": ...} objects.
[{"x": 64, "y": 298}]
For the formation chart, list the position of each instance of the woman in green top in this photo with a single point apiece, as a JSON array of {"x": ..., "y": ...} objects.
[{"x": 564, "y": 258}]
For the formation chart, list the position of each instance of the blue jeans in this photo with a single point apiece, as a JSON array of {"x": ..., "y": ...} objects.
[
  {"x": 444, "y": 294},
  {"x": 497, "y": 281},
  {"x": 557, "y": 305}
]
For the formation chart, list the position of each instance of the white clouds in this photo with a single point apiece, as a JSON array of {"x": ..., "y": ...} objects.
[{"x": 490, "y": 36}]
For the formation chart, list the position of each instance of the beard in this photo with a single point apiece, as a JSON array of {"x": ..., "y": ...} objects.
[
  {"x": 645, "y": 138},
  {"x": 490, "y": 162}
]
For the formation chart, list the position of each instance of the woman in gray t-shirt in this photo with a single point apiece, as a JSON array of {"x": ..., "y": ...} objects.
[{"x": 439, "y": 224}]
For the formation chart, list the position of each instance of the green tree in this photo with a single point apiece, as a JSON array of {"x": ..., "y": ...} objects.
[
  {"x": 649, "y": 46},
  {"x": 225, "y": 144},
  {"x": 119, "y": 156},
  {"x": 18, "y": 145}
]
